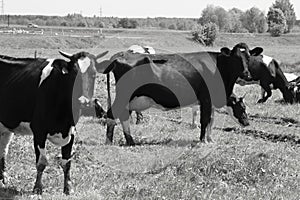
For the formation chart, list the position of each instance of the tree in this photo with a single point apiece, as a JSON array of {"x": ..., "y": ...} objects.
[
  {"x": 276, "y": 21},
  {"x": 288, "y": 10},
  {"x": 235, "y": 25},
  {"x": 216, "y": 15},
  {"x": 254, "y": 20}
]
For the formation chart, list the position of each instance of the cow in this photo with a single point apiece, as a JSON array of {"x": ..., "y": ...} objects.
[
  {"x": 267, "y": 71},
  {"x": 43, "y": 97},
  {"x": 294, "y": 87},
  {"x": 170, "y": 81}
]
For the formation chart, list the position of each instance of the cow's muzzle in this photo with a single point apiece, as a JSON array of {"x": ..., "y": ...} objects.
[{"x": 246, "y": 75}]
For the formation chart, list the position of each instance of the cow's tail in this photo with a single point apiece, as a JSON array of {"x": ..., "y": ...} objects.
[{"x": 108, "y": 91}]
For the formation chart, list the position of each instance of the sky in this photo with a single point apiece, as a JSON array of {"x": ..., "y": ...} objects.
[{"x": 131, "y": 8}]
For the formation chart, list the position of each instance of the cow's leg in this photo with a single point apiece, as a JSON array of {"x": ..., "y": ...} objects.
[
  {"x": 206, "y": 120},
  {"x": 110, "y": 127},
  {"x": 5, "y": 138},
  {"x": 194, "y": 115},
  {"x": 66, "y": 152},
  {"x": 125, "y": 122},
  {"x": 41, "y": 162},
  {"x": 267, "y": 88},
  {"x": 139, "y": 117}
]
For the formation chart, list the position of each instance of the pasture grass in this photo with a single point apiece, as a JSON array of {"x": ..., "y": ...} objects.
[{"x": 260, "y": 161}]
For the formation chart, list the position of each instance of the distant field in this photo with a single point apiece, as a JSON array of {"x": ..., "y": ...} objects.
[{"x": 257, "y": 162}]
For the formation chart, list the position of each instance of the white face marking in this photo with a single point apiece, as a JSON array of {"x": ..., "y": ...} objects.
[
  {"x": 242, "y": 49},
  {"x": 267, "y": 59},
  {"x": 84, "y": 64},
  {"x": 46, "y": 71},
  {"x": 58, "y": 140}
]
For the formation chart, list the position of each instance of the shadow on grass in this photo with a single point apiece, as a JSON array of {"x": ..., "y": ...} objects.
[
  {"x": 166, "y": 142},
  {"x": 9, "y": 193},
  {"x": 289, "y": 138}
]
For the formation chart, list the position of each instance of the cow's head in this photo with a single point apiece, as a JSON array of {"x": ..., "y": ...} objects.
[
  {"x": 237, "y": 110},
  {"x": 240, "y": 56},
  {"x": 83, "y": 65}
]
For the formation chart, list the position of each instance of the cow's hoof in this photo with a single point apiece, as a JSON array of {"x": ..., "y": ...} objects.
[
  {"x": 194, "y": 126},
  {"x": 68, "y": 190},
  {"x": 38, "y": 189},
  {"x": 108, "y": 142},
  {"x": 130, "y": 143},
  {"x": 139, "y": 122}
]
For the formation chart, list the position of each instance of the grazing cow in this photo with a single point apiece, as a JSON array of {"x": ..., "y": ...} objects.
[
  {"x": 266, "y": 70},
  {"x": 171, "y": 81},
  {"x": 294, "y": 87},
  {"x": 44, "y": 96}
]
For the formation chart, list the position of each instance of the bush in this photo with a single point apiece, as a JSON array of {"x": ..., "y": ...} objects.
[
  {"x": 276, "y": 29},
  {"x": 205, "y": 34},
  {"x": 276, "y": 22}
]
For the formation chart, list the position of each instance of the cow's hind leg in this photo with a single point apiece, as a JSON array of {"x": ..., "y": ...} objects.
[
  {"x": 125, "y": 122},
  {"x": 41, "y": 163},
  {"x": 110, "y": 127},
  {"x": 194, "y": 115},
  {"x": 5, "y": 138},
  {"x": 206, "y": 120},
  {"x": 65, "y": 163},
  {"x": 267, "y": 89}
]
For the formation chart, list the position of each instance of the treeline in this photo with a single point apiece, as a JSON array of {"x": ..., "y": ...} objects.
[
  {"x": 279, "y": 19},
  {"x": 77, "y": 20}
]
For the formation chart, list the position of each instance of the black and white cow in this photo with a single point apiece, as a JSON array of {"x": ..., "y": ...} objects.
[
  {"x": 171, "y": 81},
  {"x": 266, "y": 71},
  {"x": 44, "y": 96}
]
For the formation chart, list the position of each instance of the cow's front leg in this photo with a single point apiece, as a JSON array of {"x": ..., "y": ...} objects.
[
  {"x": 206, "y": 113},
  {"x": 65, "y": 163},
  {"x": 125, "y": 122},
  {"x": 5, "y": 138},
  {"x": 267, "y": 89},
  {"x": 41, "y": 162}
]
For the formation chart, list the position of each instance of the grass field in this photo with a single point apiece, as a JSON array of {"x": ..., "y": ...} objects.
[{"x": 261, "y": 161}]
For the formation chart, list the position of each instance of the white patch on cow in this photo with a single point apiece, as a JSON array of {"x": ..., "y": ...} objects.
[
  {"x": 43, "y": 158},
  {"x": 150, "y": 49},
  {"x": 267, "y": 59},
  {"x": 46, "y": 71},
  {"x": 84, "y": 64},
  {"x": 242, "y": 49},
  {"x": 83, "y": 100},
  {"x": 58, "y": 140},
  {"x": 140, "y": 49},
  {"x": 290, "y": 76},
  {"x": 230, "y": 112},
  {"x": 136, "y": 49},
  {"x": 5, "y": 138},
  {"x": 23, "y": 129}
]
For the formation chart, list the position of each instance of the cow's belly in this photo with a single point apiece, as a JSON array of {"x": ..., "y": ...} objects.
[{"x": 143, "y": 102}]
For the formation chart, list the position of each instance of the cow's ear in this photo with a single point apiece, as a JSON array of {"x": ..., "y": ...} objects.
[
  {"x": 105, "y": 66},
  {"x": 256, "y": 51},
  {"x": 226, "y": 51},
  {"x": 101, "y": 55}
]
